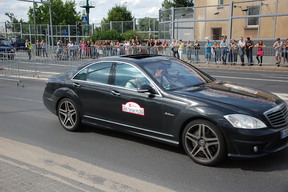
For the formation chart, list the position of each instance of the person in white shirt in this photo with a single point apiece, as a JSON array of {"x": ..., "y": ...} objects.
[
  {"x": 278, "y": 50},
  {"x": 241, "y": 45},
  {"x": 127, "y": 47}
]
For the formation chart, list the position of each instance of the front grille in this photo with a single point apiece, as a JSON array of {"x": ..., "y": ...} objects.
[{"x": 278, "y": 116}]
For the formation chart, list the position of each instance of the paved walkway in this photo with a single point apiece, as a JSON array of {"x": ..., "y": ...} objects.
[{"x": 19, "y": 177}]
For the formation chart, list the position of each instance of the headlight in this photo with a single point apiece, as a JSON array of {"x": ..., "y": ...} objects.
[{"x": 245, "y": 121}]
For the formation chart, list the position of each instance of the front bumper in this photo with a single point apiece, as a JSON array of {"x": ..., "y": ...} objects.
[{"x": 245, "y": 143}]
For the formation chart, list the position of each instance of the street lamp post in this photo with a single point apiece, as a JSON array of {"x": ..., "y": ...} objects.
[{"x": 87, "y": 7}]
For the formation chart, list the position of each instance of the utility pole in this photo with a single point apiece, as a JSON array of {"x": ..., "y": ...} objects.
[{"x": 87, "y": 7}]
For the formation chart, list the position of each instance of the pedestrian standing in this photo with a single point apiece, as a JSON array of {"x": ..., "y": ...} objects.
[
  {"x": 127, "y": 47},
  {"x": 235, "y": 50},
  {"x": 249, "y": 50},
  {"x": 29, "y": 48},
  {"x": 38, "y": 48},
  {"x": 158, "y": 44},
  {"x": 165, "y": 45},
  {"x": 188, "y": 50},
  {"x": 44, "y": 48},
  {"x": 285, "y": 45},
  {"x": 216, "y": 50},
  {"x": 278, "y": 50},
  {"x": 224, "y": 49},
  {"x": 181, "y": 46},
  {"x": 208, "y": 46},
  {"x": 241, "y": 45},
  {"x": 174, "y": 48},
  {"x": 196, "y": 51},
  {"x": 260, "y": 52}
]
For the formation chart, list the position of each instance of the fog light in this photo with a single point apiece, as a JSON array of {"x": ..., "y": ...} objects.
[{"x": 255, "y": 149}]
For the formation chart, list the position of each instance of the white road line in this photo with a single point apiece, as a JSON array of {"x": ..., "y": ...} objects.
[
  {"x": 21, "y": 99},
  {"x": 255, "y": 79}
]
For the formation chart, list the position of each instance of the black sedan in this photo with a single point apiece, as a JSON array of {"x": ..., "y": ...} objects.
[{"x": 169, "y": 100}]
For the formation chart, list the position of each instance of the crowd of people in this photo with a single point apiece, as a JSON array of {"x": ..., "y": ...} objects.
[
  {"x": 229, "y": 52},
  {"x": 217, "y": 52}
]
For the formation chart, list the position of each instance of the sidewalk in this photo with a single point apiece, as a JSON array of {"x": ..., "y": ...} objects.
[{"x": 15, "y": 177}]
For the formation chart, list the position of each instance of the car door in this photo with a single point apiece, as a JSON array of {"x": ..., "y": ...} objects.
[
  {"x": 90, "y": 86},
  {"x": 138, "y": 112}
]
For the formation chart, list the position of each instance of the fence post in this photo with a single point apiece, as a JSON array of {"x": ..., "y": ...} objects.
[
  {"x": 134, "y": 24},
  {"x": 172, "y": 22},
  {"x": 230, "y": 22}
]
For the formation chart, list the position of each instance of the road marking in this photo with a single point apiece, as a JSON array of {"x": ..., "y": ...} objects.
[
  {"x": 255, "y": 79},
  {"x": 21, "y": 99}
]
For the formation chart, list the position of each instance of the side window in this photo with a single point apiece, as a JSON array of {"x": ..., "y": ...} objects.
[
  {"x": 98, "y": 72},
  {"x": 129, "y": 77},
  {"x": 81, "y": 75}
]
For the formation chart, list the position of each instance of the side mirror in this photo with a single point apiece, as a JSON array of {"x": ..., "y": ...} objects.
[{"x": 146, "y": 89}]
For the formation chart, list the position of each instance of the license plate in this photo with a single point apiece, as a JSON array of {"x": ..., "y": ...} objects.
[{"x": 284, "y": 133}]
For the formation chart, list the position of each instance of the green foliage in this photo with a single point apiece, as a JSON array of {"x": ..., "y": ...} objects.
[
  {"x": 62, "y": 13},
  {"x": 105, "y": 35},
  {"x": 166, "y": 4},
  {"x": 118, "y": 13},
  {"x": 128, "y": 35}
]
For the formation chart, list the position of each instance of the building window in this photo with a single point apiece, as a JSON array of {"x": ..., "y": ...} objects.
[
  {"x": 253, "y": 10},
  {"x": 220, "y": 2},
  {"x": 216, "y": 33}
]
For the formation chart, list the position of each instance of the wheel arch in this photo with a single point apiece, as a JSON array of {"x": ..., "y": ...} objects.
[
  {"x": 185, "y": 123},
  {"x": 63, "y": 93}
]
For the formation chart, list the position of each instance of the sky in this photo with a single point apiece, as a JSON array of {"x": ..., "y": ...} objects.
[{"x": 138, "y": 8}]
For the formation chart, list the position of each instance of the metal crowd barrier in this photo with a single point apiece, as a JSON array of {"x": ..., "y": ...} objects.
[{"x": 42, "y": 65}]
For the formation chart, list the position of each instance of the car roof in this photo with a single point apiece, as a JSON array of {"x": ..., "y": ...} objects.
[{"x": 138, "y": 58}]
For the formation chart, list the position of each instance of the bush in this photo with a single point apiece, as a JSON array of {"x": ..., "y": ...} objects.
[
  {"x": 105, "y": 35},
  {"x": 128, "y": 35}
]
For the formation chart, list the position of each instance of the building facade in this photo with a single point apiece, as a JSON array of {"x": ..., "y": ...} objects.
[{"x": 258, "y": 19}]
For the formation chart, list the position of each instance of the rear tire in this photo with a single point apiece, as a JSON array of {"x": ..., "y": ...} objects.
[
  {"x": 204, "y": 143},
  {"x": 68, "y": 115}
]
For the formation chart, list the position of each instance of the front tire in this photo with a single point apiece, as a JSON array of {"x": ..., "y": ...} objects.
[
  {"x": 203, "y": 142},
  {"x": 68, "y": 115}
]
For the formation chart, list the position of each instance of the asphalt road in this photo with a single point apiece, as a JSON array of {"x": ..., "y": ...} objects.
[{"x": 110, "y": 161}]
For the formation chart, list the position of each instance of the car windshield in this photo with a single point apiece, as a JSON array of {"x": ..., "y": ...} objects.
[
  {"x": 175, "y": 75},
  {"x": 4, "y": 42}
]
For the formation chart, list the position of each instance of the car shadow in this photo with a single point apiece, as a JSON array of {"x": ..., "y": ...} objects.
[
  {"x": 272, "y": 162},
  {"x": 131, "y": 137}
]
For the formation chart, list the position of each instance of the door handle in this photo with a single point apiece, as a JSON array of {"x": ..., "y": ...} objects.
[
  {"x": 76, "y": 85},
  {"x": 116, "y": 93}
]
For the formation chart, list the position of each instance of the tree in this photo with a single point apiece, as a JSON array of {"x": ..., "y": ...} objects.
[
  {"x": 62, "y": 13},
  {"x": 128, "y": 35},
  {"x": 13, "y": 24},
  {"x": 118, "y": 13},
  {"x": 105, "y": 35},
  {"x": 166, "y": 4}
]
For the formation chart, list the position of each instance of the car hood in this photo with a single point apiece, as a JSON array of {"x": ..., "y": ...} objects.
[{"x": 232, "y": 95}]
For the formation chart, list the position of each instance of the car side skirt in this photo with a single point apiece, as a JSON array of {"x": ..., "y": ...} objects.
[{"x": 130, "y": 129}]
